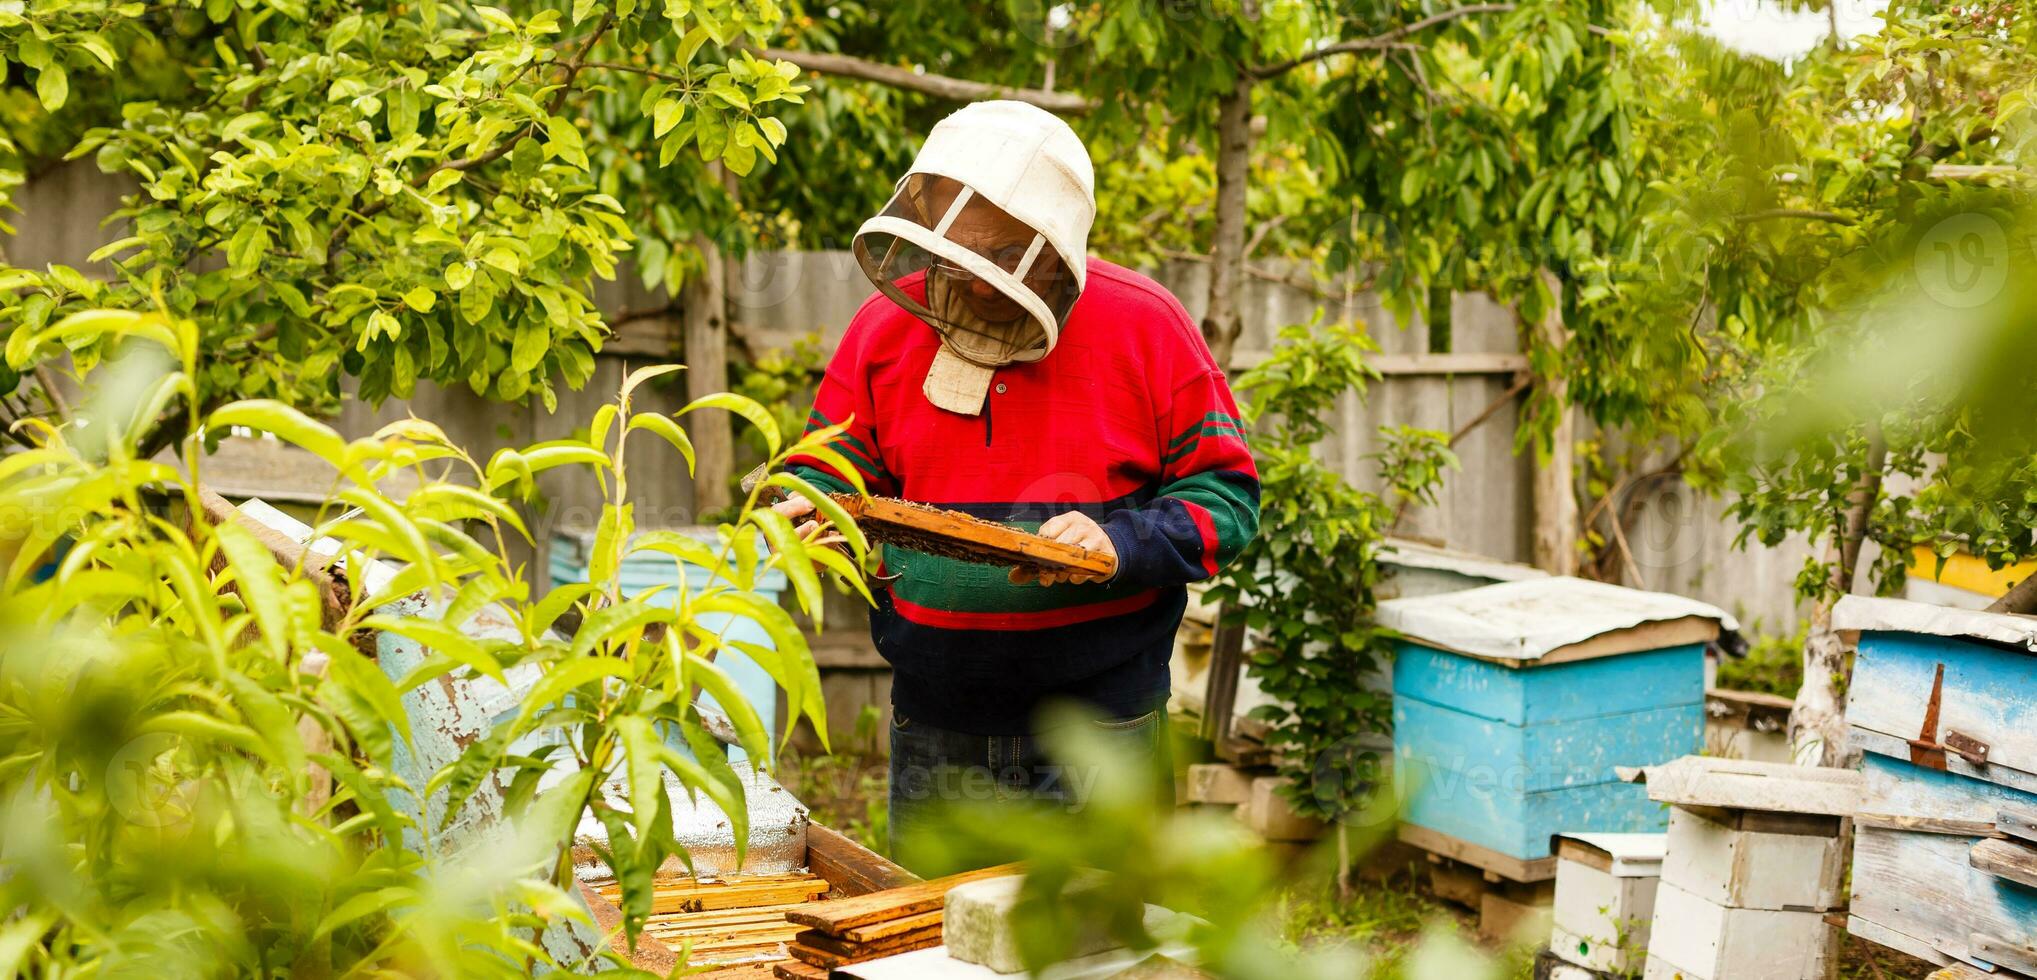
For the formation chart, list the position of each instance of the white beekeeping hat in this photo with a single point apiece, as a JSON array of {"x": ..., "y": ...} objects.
[{"x": 1002, "y": 194}]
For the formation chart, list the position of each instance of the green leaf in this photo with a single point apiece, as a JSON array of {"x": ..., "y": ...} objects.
[
  {"x": 729, "y": 699},
  {"x": 646, "y": 775},
  {"x": 260, "y": 582},
  {"x": 757, "y": 415},
  {"x": 439, "y": 638},
  {"x": 245, "y": 249},
  {"x": 458, "y": 274},
  {"x": 283, "y": 422},
  {"x": 666, "y": 115},
  {"x": 617, "y": 622},
  {"x": 361, "y": 906},
  {"x": 53, "y": 87},
  {"x": 420, "y": 299},
  {"x": 667, "y": 430},
  {"x": 564, "y": 677},
  {"x": 690, "y": 44}
]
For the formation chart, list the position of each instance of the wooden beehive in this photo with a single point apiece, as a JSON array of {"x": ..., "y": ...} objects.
[
  {"x": 1944, "y": 704},
  {"x": 1753, "y": 861},
  {"x": 1605, "y": 899},
  {"x": 1514, "y": 702}
]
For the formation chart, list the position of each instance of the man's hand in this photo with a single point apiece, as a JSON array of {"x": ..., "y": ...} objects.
[
  {"x": 1074, "y": 528},
  {"x": 792, "y": 509}
]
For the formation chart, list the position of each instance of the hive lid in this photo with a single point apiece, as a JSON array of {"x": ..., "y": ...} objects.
[
  {"x": 1855, "y": 614},
  {"x": 1553, "y": 620},
  {"x": 1621, "y": 855},
  {"x": 1739, "y": 784}
]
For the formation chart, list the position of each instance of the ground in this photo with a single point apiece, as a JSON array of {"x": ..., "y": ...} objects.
[{"x": 1385, "y": 917}]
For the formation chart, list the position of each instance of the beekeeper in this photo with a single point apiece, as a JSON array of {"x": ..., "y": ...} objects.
[{"x": 1001, "y": 371}]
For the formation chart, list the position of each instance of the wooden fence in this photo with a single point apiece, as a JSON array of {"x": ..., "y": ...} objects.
[{"x": 1679, "y": 538}]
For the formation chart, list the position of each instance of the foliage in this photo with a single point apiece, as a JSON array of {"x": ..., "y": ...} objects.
[
  {"x": 176, "y": 693},
  {"x": 1773, "y": 665},
  {"x": 1305, "y": 584},
  {"x": 1884, "y": 273},
  {"x": 397, "y": 191}
]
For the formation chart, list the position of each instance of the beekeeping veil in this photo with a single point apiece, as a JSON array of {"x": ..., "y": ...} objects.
[{"x": 996, "y": 213}]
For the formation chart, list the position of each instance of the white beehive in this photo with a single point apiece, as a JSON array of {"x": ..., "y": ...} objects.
[{"x": 1605, "y": 899}]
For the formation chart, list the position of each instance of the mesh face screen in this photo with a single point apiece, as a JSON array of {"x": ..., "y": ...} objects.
[{"x": 992, "y": 285}]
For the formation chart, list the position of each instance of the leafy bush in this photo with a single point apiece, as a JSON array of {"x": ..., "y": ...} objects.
[
  {"x": 1305, "y": 584},
  {"x": 204, "y": 770},
  {"x": 395, "y": 191}
]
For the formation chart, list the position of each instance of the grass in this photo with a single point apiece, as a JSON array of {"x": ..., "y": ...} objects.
[{"x": 1388, "y": 920}]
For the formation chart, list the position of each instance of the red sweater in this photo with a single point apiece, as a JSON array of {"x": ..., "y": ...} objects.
[{"x": 1128, "y": 420}]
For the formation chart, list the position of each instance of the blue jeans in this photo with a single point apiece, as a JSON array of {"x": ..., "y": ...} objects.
[{"x": 934, "y": 766}]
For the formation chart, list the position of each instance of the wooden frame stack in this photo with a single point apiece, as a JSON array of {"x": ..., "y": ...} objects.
[{"x": 867, "y": 927}]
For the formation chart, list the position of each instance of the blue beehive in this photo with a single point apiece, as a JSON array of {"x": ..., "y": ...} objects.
[
  {"x": 572, "y": 550},
  {"x": 1513, "y": 703},
  {"x": 1943, "y": 704}
]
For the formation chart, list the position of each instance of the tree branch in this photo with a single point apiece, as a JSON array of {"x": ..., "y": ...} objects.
[
  {"x": 1378, "y": 41},
  {"x": 927, "y": 83},
  {"x": 659, "y": 75},
  {"x": 1831, "y": 217}
]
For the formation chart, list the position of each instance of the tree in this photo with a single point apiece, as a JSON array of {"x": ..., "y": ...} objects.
[
  {"x": 396, "y": 191},
  {"x": 1795, "y": 243}
]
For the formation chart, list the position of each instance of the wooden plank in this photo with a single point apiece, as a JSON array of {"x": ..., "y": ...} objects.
[
  {"x": 1416, "y": 365},
  {"x": 1763, "y": 786},
  {"x": 920, "y": 938},
  {"x": 708, "y": 896},
  {"x": 649, "y": 954},
  {"x": 958, "y": 535},
  {"x": 1908, "y": 945},
  {"x": 851, "y": 867},
  {"x": 2018, "y": 823},
  {"x": 2008, "y": 860},
  {"x": 1484, "y": 858},
  {"x": 1220, "y": 696},
  {"x": 847, "y": 913},
  {"x": 2020, "y": 957},
  {"x": 716, "y": 918},
  {"x": 1959, "y": 971},
  {"x": 1865, "y": 741},
  {"x": 1985, "y": 695},
  {"x": 881, "y": 930},
  {"x": 795, "y": 970},
  {"x": 1922, "y": 886},
  {"x": 1568, "y": 692},
  {"x": 1552, "y": 755},
  {"x": 1926, "y": 825},
  {"x": 1748, "y": 710}
]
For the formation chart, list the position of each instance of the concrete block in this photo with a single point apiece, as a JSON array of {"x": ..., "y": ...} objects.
[
  {"x": 1267, "y": 812},
  {"x": 1218, "y": 783}
]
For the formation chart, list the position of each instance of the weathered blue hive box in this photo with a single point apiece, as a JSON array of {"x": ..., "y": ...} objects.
[
  {"x": 1513, "y": 703},
  {"x": 1943, "y": 706}
]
